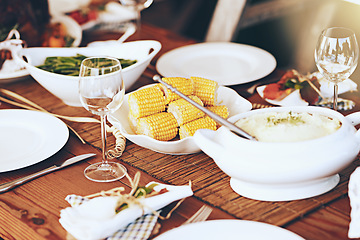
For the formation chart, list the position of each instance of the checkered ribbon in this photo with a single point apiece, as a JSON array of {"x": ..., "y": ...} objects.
[{"x": 140, "y": 229}]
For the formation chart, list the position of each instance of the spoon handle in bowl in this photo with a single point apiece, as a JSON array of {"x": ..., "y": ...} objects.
[{"x": 214, "y": 116}]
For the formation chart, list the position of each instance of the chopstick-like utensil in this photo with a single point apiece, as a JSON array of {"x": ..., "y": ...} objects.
[
  {"x": 235, "y": 129},
  {"x": 9, "y": 185}
]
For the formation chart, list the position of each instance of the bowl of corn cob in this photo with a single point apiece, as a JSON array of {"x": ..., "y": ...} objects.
[
  {"x": 155, "y": 118},
  {"x": 62, "y": 80}
]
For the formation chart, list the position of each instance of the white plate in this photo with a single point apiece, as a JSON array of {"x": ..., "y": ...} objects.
[
  {"x": 227, "y": 96},
  {"x": 229, "y": 229},
  {"x": 226, "y": 63},
  {"x": 13, "y": 76},
  {"x": 28, "y": 137}
]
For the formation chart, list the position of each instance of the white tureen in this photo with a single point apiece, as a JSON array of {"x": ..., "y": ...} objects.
[{"x": 272, "y": 171}]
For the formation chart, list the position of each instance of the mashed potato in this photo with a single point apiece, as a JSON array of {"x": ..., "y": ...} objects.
[{"x": 288, "y": 126}]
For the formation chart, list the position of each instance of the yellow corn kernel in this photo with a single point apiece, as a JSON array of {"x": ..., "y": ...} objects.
[
  {"x": 160, "y": 126},
  {"x": 183, "y": 85},
  {"x": 184, "y": 111},
  {"x": 146, "y": 101},
  {"x": 205, "y": 89},
  {"x": 190, "y": 128},
  {"x": 220, "y": 110}
]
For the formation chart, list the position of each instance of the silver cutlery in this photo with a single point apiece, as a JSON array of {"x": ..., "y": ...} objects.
[
  {"x": 130, "y": 31},
  {"x": 9, "y": 185},
  {"x": 260, "y": 105},
  {"x": 232, "y": 127}
]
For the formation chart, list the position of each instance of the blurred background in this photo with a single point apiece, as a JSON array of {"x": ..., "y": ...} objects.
[{"x": 288, "y": 29}]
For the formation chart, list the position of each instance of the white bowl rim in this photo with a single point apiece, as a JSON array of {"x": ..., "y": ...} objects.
[
  {"x": 310, "y": 109},
  {"x": 162, "y": 145},
  {"x": 156, "y": 44}
]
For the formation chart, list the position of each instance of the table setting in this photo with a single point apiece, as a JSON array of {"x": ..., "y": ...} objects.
[{"x": 255, "y": 189}]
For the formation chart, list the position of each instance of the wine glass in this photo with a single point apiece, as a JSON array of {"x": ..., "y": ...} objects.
[
  {"x": 137, "y": 6},
  {"x": 102, "y": 90},
  {"x": 336, "y": 56}
]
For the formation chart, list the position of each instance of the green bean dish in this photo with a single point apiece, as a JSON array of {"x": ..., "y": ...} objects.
[{"x": 71, "y": 65}]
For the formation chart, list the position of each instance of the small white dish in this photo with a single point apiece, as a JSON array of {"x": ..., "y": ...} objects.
[
  {"x": 293, "y": 99},
  {"x": 72, "y": 27},
  {"x": 326, "y": 89},
  {"x": 228, "y": 229},
  {"x": 28, "y": 137},
  {"x": 227, "y": 63},
  {"x": 227, "y": 96}
]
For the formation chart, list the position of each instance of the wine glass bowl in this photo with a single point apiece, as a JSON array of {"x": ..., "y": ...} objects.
[
  {"x": 101, "y": 89},
  {"x": 336, "y": 56}
]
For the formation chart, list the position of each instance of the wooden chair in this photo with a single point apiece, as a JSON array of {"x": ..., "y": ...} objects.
[
  {"x": 230, "y": 16},
  {"x": 225, "y": 20}
]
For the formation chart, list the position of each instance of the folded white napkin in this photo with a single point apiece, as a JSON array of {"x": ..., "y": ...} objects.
[
  {"x": 96, "y": 218},
  {"x": 327, "y": 87},
  {"x": 354, "y": 195}
]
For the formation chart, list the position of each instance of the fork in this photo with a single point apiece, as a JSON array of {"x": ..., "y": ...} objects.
[
  {"x": 201, "y": 215},
  {"x": 260, "y": 105}
]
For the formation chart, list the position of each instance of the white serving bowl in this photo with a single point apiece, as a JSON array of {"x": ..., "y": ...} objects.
[
  {"x": 271, "y": 171},
  {"x": 226, "y": 96},
  {"x": 66, "y": 87}
]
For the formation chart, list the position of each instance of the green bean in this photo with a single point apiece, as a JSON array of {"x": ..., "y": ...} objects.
[{"x": 71, "y": 65}]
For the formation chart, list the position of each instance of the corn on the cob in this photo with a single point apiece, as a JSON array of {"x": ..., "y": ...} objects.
[
  {"x": 183, "y": 85},
  {"x": 184, "y": 111},
  {"x": 190, "y": 128},
  {"x": 220, "y": 110},
  {"x": 160, "y": 126},
  {"x": 146, "y": 101},
  {"x": 205, "y": 89}
]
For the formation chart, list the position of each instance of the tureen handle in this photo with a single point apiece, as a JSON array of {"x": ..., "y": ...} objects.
[
  {"x": 204, "y": 138},
  {"x": 354, "y": 119}
]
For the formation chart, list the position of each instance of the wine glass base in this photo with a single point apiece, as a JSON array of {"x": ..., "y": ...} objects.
[
  {"x": 343, "y": 104},
  {"x": 100, "y": 172}
]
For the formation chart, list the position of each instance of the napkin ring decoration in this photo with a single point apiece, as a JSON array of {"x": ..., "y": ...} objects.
[{"x": 104, "y": 213}]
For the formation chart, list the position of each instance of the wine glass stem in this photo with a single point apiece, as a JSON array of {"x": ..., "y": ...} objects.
[
  {"x": 103, "y": 138},
  {"x": 336, "y": 87}
]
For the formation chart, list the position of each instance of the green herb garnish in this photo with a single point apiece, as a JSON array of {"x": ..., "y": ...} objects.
[{"x": 290, "y": 119}]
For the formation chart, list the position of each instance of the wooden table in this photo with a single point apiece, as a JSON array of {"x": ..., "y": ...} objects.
[{"x": 31, "y": 211}]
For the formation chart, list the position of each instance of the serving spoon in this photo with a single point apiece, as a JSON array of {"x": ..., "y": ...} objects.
[
  {"x": 232, "y": 127},
  {"x": 129, "y": 31}
]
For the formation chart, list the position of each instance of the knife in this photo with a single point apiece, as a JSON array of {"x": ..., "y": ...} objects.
[{"x": 9, "y": 185}]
